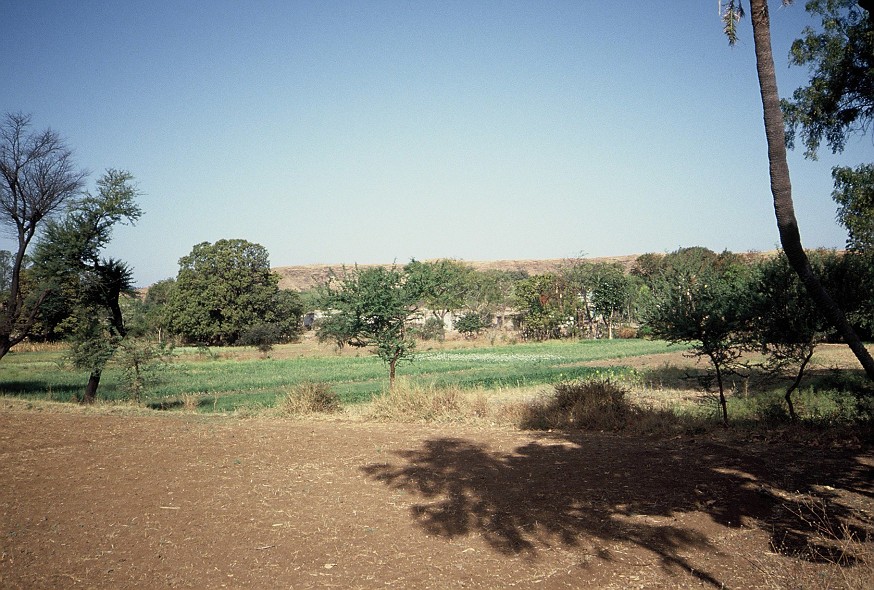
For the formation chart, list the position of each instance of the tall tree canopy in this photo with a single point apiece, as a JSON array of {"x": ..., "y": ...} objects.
[{"x": 223, "y": 289}]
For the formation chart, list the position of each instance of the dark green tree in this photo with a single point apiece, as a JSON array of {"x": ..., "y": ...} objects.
[
  {"x": 371, "y": 308},
  {"x": 224, "y": 288},
  {"x": 703, "y": 299},
  {"x": 69, "y": 263},
  {"x": 37, "y": 180},
  {"x": 540, "y": 303},
  {"x": 788, "y": 326}
]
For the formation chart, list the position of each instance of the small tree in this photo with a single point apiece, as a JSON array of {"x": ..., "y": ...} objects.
[
  {"x": 68, "y": 260},
  {"x": 540, "y": 301},
  {"x": 702, "y": 299},
  {"x": 139, "y": 359},
  {"x": 371, "y": 308},
  {"x": 788, "y": 326},
  {"x": 261, "y": 336},
  {"x": 471, "y": 324},
  {"x": 610, "y": 294}
]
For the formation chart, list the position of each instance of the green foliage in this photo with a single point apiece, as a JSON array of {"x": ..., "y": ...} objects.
[
  {"x": 431, "y": 329},
  {"x": 443, "y": 284},
  {"x": 854, "y": 194},
  {"x": 261, "y": 336},
  {"x": 139, "y": 361},
  {"x": 539, "y": 301},
  {"x": 489, "y": 291},
  {"x": 225, "y": 287},
  {"x": 156, "y": 318},
  {"x": 371, "y": 308},
  {"x": 731, "y": 15},
  {"x": 471, "y": 324},
  {"x": 839, "y": 98},
  {"x": 37, "y": 179},
  {"x": 704, "y": 300},
  {"x": 610, "y": 294},
  {"x": 68, "y": 260}
]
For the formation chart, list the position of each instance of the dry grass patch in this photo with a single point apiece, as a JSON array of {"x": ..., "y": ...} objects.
[
  {"x": 309, "y": 398},
  {"x": 408, "y": 401},
  {"x": 591, "y": 405}
]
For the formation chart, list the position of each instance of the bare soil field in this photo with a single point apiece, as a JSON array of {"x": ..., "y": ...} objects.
[{"x": 94, "y": 500}]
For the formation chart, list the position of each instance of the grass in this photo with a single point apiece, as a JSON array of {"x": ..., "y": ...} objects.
[
  {"x": 499, "y": 384},
  {"x": 232, "y": 379}
]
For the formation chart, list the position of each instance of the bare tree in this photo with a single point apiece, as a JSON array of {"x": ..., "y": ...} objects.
[{"x": 38, "y": 179}]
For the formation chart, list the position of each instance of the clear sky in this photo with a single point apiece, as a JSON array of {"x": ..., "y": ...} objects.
[{"x": 371, "y": 131}]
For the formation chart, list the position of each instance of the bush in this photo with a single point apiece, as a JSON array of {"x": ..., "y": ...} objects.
[
  {"x": 597, "y": 404},
  {"x": 432, "y": 329},
  {"x": 471, "y": 324},
  {"x": 309, "y": 398},
  {"x": 261, "y": 336},
  {"x": 408, "y": 401}
]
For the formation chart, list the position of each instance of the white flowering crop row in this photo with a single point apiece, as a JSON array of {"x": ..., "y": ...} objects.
[{"x": 490, "y": 357}]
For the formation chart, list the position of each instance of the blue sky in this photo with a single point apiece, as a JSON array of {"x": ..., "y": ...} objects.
[{"x": 371, "y": 131}]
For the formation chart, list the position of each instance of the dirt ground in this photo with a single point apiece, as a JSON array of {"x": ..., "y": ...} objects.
[{"x": 90, "y": 500}]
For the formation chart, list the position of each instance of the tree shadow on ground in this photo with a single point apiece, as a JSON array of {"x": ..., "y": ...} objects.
[{"x": 589, "y": 490}]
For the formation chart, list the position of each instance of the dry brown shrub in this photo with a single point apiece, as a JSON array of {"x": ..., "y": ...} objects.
[
  {"x": 309, "y": 398},
  {"x": 597, "y": 404},
  {"x": 190, "y": 401},
  {"x": 408, "y": 401}
]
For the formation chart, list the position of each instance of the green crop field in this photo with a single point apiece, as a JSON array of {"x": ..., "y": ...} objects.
[{"x": 227, "y": 379}]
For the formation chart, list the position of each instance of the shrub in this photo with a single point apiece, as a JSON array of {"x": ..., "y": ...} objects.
[
  {"x": 309, "y": 398},
  {"x": 261, "y": 336},
  {"x": 432, "y": 329},
  {"x": 597, "y": 404},
  {"x": 408, "y": 401},
  {"x": 627, "y": 332},
  {"x": 471, "y": 324}
]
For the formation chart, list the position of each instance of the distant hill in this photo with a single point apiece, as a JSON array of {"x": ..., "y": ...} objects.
[{"x": 301, "y": 278}]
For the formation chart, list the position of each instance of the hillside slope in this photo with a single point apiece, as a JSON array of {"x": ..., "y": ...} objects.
[{"x": 301, "y": 278}]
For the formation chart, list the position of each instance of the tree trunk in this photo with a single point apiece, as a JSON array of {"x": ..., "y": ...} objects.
[
  {"x": 723, "y": 404},
  {"x": 793, "y": 417},
  {"x": 781, "y": 187},
  {"x": 91, "y": 388},
  {"x": 391, "y": 373}
]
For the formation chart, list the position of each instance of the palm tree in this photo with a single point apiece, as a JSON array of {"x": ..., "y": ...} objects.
[{"x": 781, "y": 186}]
